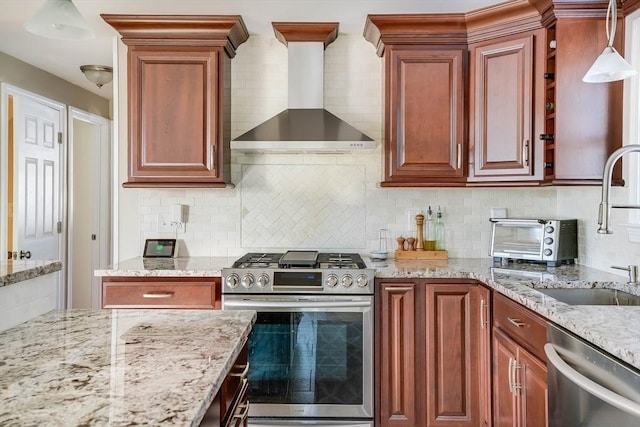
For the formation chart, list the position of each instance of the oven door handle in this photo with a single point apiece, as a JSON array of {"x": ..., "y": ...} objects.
[
  {"x": 295, "y": 304},
  {"x": 588, "y": 385}
]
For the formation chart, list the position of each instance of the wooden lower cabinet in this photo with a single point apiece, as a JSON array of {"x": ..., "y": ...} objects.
[
  {"x": 432, "y": 353},
  {"x": 230, "y": 407},
  {"x": 161, "y": 292},
  {"x": 519, "y": 375}
]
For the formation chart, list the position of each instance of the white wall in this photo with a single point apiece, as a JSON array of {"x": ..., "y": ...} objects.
[
  {"x": 25, "y": 300},
  {"x": 353, "y": 91}
]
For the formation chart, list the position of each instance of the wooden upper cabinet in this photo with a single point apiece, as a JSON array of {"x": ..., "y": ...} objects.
[
  {"x": 424, "y": 116},
  {"x": 424, "y": 91},
  {"x": 502, "y": 109},
  {"x": 517, "y": 114},
  {"x": 588, "y": 116},
  {"x": 179, "y": 99}
]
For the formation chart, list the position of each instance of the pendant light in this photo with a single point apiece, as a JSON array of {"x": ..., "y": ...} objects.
[
  {"x": 609, "y": 66},
  {"x": 59, "y": 19}
]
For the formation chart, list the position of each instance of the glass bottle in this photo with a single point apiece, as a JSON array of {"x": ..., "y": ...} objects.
[
  {"x": 439, "y": 231},
  {"x": 430, "y": 232}
]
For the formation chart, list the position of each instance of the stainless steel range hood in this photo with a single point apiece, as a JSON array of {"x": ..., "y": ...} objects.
[{"x": 305, "y": 126}]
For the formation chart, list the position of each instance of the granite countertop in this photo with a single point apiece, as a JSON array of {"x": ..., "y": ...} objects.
[
  {"x": 168, "y": 267},
  {"x": 612, "y": 328},
  {"x": 118, "y": 367},
  {"x": 14, "y": 271},
  {"x": 605, "y": 326}
]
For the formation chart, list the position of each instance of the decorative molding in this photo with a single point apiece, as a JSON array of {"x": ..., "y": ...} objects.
[
  {"x": 325, "y": 32},
  {"x": 507, "y": 18},
  {"x": 228, "y": 31}
]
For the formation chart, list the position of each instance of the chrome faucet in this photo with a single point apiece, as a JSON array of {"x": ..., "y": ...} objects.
[{"x": 603, "y": 215}]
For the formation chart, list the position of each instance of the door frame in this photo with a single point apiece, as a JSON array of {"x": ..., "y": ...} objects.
[
  {"x": 102, "y": 214},
  {"x": 7, "y": 90}
]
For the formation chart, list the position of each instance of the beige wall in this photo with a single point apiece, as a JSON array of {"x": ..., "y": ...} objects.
[
  {"x": 85, "y": 142},
  {"x": 32, "y": 79}
]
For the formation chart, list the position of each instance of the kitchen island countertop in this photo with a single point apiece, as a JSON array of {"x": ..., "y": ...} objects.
[
  {"x": 118, "y": 367},
  {"x": 612, "y": 328}
]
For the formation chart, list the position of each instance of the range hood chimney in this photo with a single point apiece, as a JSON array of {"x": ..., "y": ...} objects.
[{"x": 305, "y": 126}]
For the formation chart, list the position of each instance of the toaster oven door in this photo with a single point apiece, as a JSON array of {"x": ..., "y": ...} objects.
[{"x": 519, "y": 239}]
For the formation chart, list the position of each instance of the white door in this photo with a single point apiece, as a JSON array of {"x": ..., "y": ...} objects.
[
  {"x": 37, "y": 126},
  {"x": 89, "y": 202}
]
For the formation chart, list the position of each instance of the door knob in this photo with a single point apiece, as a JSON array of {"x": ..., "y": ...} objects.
[{"x": 25, "y": 254}]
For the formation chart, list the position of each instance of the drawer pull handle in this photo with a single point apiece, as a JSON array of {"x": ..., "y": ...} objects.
[
  {"x": 244, "y": 407},
  {"x": 158, "y": 295},
  {"x": 243, "y": 374},
  {"x": 517, "y": 323}
]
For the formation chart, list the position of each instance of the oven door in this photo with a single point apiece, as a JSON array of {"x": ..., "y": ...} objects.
[{"x": 309, "y": 356}]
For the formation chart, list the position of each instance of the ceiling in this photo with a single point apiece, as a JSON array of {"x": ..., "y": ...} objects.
[{"x": 63, "y": 58}]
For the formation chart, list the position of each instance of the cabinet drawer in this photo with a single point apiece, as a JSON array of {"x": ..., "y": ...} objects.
[
  {"x": 182, "y": 293},
  {"x": 521, "y": 324}
]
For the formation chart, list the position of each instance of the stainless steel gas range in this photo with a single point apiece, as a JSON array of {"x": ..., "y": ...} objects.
[{"x": 311, "y": 349}]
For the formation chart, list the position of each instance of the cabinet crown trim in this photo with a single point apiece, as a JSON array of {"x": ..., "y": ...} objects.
[
  {"x": 325, "y": 32},
  {"x": 228, "y": 31}
]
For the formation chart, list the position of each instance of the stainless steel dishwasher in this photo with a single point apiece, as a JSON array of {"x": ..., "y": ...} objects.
[{"x": 588, "y": 387}]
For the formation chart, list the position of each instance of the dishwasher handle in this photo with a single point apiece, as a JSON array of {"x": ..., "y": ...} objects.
[{"x": 588, "y": 385}]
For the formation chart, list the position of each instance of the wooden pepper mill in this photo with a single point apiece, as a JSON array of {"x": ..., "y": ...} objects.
[
  {"x": 400, "y": 241},
  {"x": 419, "y": 232}
]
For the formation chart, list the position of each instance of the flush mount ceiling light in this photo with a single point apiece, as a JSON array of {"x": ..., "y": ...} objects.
[
  {"x": 609, "y": 66},
  {"x": 97, "y": 74},
  {"x": 59, "y": 19}
]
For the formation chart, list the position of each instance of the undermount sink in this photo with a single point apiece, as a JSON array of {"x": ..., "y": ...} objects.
[{"x": 591, "y": 296}]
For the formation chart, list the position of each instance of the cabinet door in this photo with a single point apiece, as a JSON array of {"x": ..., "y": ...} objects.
[
  {"x": 175, "y": 114},
  {"x": 533, "y": 394},
  {"x": 502, "y": 107},
  {"x": 397, "y": 356},
  {"x": 424, "y": 133},
  {"x": 505, "y": 356},
  {"x": 454, "y": 354},
  {"x": 588, "y": 117}
]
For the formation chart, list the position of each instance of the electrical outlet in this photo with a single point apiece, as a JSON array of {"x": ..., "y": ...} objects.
[{"x": 167, "y": 225}]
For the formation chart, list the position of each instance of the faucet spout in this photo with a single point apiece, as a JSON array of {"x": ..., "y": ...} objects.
[{"x": 605, "y": 206}]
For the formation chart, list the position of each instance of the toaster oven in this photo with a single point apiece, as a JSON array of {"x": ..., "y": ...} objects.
[{"x": 554, "y": 241}]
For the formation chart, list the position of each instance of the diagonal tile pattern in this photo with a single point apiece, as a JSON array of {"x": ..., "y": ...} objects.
[{"x": 303, "y": 206}]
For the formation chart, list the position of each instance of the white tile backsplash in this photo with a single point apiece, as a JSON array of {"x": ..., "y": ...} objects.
[
  {"x": 303, "y": 206},
  {"x": 229, "y": 222}
]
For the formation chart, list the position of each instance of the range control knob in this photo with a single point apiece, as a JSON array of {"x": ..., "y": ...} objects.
[
  {"x": 548, "y": 241},
  {"x": 347, "y": 280},
  {"x": 232, "y": 280},
  {"x": 548, "y": 252},
  {"x": 247, "y": 280},
  {"x": 263, "y": 280},
  {"x": 362, "y": 280},
  {"x": 549, "y": 229},
  {"x": 332, "y": 280}
]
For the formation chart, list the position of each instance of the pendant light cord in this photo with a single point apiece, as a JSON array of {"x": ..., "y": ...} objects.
[{"x": 612, "y": 12}]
